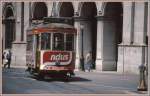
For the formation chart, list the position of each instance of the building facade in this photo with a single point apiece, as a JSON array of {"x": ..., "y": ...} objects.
[{"x": 115, "y": 32}]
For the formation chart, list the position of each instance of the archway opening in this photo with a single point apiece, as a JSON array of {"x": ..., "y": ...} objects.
[
  {"x": 112, "y": 36},
  {"x": 88, "y": 20},
  {"x": 40, "y": 11},
  {"x": 67, "y": 10},
  {"x": 9, "y": 22}
]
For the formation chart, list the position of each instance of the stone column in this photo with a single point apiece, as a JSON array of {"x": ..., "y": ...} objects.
[
  {"x": 19, "y": 46},
  {"x": 99, "y": 50},
  {"x": 77, "y": 26},
  {"x": 128, "y": 36},
  {"x": 140, "y": 28},
  {"x": 148, "y": 28},
  {"x": 139, "y": 31},
  {"x": 128, "y": 11},
  {"x": 49, "y": 7},
  {"x": 18, "y": 22},
  {"x": 26, "y": 18}
]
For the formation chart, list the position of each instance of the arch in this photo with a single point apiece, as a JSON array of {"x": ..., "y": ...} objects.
[
  {"x": 116, "y": 15},
  {"x": 39, "y": 10},
  {"x": 66, "y": 9},
  {"x": 113, "y": 21},
  {"x": 9, "y": 25},
  {"x": 6, "y": 7},
  {"x": 85, "y": 6},
  {"x": 9, "y": 13},
  {"x": 103, "y": 7},
  {"x": 110, "y": 7}
]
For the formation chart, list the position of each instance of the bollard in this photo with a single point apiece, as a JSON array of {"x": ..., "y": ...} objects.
[{"x": 142, "y": 84}]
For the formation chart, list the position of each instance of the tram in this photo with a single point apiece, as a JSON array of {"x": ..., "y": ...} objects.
[{"x": 51, "y": 48}]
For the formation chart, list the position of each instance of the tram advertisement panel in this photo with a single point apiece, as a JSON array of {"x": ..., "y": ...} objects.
[{"x": 56, "y": 57}]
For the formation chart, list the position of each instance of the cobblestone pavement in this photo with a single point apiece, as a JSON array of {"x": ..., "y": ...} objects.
[{"x": 17, "y": 81}]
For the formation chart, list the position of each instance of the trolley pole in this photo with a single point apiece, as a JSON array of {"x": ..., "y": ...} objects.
[{"x": 82, "y": 57}]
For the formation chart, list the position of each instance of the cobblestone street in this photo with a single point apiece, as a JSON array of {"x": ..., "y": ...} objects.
[{"x": 17, "y": 81}]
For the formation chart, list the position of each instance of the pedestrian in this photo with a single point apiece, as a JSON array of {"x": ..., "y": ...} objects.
[
  {"x": 4, "y": 57},
  {"x": 88, "y": 60},
  {"x": 7, "y": 59}
]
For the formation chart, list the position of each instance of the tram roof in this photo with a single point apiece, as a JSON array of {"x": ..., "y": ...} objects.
[{"x": 52, "y": 27}]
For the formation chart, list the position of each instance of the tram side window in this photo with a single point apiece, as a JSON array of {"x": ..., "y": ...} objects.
[
  {"x": 45, "y": 41},
  {"x": 58, "y": 41},
  {"x": 29, "y": 42},
  {"x": 69, "y": 42}
]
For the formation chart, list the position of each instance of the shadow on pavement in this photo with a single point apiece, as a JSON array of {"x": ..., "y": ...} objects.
[
  {"x": 76, "y": 79},
  {"x": 49, "y": 79}
]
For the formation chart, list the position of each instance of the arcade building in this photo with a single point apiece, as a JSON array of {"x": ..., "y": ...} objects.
[{"x": 115, "y": 32}]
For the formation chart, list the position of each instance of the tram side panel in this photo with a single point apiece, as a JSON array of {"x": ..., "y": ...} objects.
[{"x": 31, "y": 48}]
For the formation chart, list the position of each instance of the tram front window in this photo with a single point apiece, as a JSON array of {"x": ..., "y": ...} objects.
[
  {"x": 45, "y": 41},
  {"x": 58, "y": 41}
]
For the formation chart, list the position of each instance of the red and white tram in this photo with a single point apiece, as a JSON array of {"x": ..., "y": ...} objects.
[{"x": 51, "y": 48}]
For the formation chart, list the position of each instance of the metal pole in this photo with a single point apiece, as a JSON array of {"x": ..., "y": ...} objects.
[
  {"x": 123, "y": 58},
  {"x": 82, "y": 57}
]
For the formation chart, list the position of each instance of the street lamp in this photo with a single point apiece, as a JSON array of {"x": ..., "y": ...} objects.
[{"x": 82, "y": 57}]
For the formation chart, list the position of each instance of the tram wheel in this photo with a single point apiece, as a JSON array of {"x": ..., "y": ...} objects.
[
  {"x": 67, "y": 77},
  {"x": 40, "y": 76}
]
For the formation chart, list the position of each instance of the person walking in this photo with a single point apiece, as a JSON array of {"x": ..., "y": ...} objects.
[
  {"x": 4, "y": 58},
  {"x": 88, "y": 59},
  {"x": 7, "y": 59}
]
